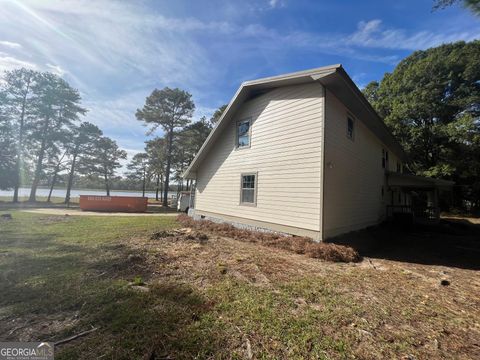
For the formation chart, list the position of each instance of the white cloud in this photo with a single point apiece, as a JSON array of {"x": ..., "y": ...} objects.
[
  {"x": 373, "y": 34},
  {"x": 117, "y": 113},
  {"x": 56, "y": 69},
  {"x": 8, "y": 62},
  {"x": 11, "y": 45},
  {"x": 276, "y": 3},
  {"x": 111, "y": 38},
  {"x": 357, "y": 45}
]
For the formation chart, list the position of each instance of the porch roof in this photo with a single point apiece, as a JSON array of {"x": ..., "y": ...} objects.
[{"x": 415, "y": 181}]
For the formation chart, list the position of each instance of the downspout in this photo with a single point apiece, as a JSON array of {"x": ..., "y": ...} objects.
[
  {"x": 193, "y": 189},
  {"x": 322, "y": 164}
]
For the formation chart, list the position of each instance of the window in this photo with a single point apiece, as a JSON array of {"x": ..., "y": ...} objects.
[
  {"x": 350, "y": 129},
  {"x": 243, "y": 134},
  {"x": 399, "y": 167},
  {"x": 383, "y": 158},
  {"x": 248, "y": 191}
]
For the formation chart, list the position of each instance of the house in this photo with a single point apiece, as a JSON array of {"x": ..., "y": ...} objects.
[{"x": 304, "y": 153}]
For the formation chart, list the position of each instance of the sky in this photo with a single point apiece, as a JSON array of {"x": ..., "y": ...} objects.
[{"x": 116, "y": 52}]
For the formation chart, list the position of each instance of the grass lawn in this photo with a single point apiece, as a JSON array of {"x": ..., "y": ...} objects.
[{"x": 182, "y": 298}]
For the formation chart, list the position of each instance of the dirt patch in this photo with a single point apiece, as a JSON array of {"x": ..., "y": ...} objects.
[
  {"x": 295, "y": 244},
  {"x": 180, "y": 234},
  {"x": 54, "y": 219},
  {"x": 39, "y": 327}
]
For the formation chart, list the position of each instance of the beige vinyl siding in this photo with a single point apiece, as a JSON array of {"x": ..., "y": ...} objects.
[
  {"x": 353, "y": 173},
  {"x": 285, "y": 152}
]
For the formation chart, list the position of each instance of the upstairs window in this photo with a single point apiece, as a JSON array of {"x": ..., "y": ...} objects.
[
  {"x": 350, "y": 128},
  {"x": 248, "y": 191},
  {"x": 243, "y": 134},
  {"x": 399, "y": 167},
  {"x": 384, "y": 159}
]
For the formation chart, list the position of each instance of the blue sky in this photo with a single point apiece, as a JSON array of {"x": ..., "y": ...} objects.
[{"x": 117, "y": 52}]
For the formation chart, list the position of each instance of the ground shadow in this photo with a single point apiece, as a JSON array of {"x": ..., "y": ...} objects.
[
  {"x": 52, "y": 289},
  {"x": 452, "y": 242}
]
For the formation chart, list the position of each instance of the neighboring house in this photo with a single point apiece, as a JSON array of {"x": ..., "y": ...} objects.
[{"x": 304, "y": 153}]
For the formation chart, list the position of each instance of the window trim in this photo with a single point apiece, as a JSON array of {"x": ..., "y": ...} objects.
[
  {"x": 237, "y": 146},
  {"x": 255, "y": 189},
  {"x": 351, "y": 117}
]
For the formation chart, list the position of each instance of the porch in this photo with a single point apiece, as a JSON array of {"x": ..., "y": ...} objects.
[{"x": 414, "y": 199}]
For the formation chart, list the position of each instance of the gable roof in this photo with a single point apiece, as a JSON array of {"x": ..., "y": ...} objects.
[{"x": 333, "y": 77}]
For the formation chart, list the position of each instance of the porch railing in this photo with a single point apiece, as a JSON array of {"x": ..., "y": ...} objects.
[
  {"x": 427, "y": 212},
  {"x": 417, "y": 212}
]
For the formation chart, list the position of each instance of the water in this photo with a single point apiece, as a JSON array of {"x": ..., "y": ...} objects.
[{"x": 75, "y": 193}]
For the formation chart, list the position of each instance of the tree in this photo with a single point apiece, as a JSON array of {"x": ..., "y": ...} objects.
[
  {"x": 105, "y": 161},
  {"x": 56, "y": 162},
  {"x": 431, "y": 102},
  {"x": 472, "y": 5},
  {"x": 83, "y": 141},
  {"x": 138, "y": 169},
  {"x": 189, "y": 142},
  {"x": 56, "y": 108},
  {"x": 218, "y": 114},
  {"x": 16, "y": 103},
  {"x": 155, "y": 150},
  {"x": 7, "y": 153},
  {"x": 170, "y": 109},
  {"x": 371, "y": 92}
]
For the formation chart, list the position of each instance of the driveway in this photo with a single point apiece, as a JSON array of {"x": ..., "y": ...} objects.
[{"x": 78, "y": 212}]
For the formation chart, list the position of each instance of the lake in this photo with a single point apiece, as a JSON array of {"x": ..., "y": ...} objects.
[{"x": 75, "y": 193}]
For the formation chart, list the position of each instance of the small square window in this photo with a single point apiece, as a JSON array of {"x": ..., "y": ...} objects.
[
  {"x": 248, "y": 191},
  {"x": 243, "y": 134},
  {"x": 350, "y": 128}
]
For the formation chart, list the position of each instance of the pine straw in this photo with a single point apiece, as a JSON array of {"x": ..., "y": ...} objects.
[{"x": 297, "y": 244}]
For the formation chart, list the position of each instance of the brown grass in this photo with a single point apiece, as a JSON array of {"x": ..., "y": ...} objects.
[{"x": 296, "y": 244}]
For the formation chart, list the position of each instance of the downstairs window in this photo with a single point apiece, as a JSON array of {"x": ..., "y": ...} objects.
[{"x": 248, "y": 191}]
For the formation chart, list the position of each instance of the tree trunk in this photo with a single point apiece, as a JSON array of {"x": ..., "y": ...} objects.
[
  {"x": 70, "y": 177},
  {"x": 54, "y": 180},
  {"x": 161, "y": 190},
  {"x": 38, "y": 173},
  {"x": 167, "y": 170},
  {"x": 143, "y": 184},
  {"x": 39, "y": 166},
  {"x": 107, "y": 186},
  {"x": 18, "y": 162},
  {"x": 156, "y": 187}
]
